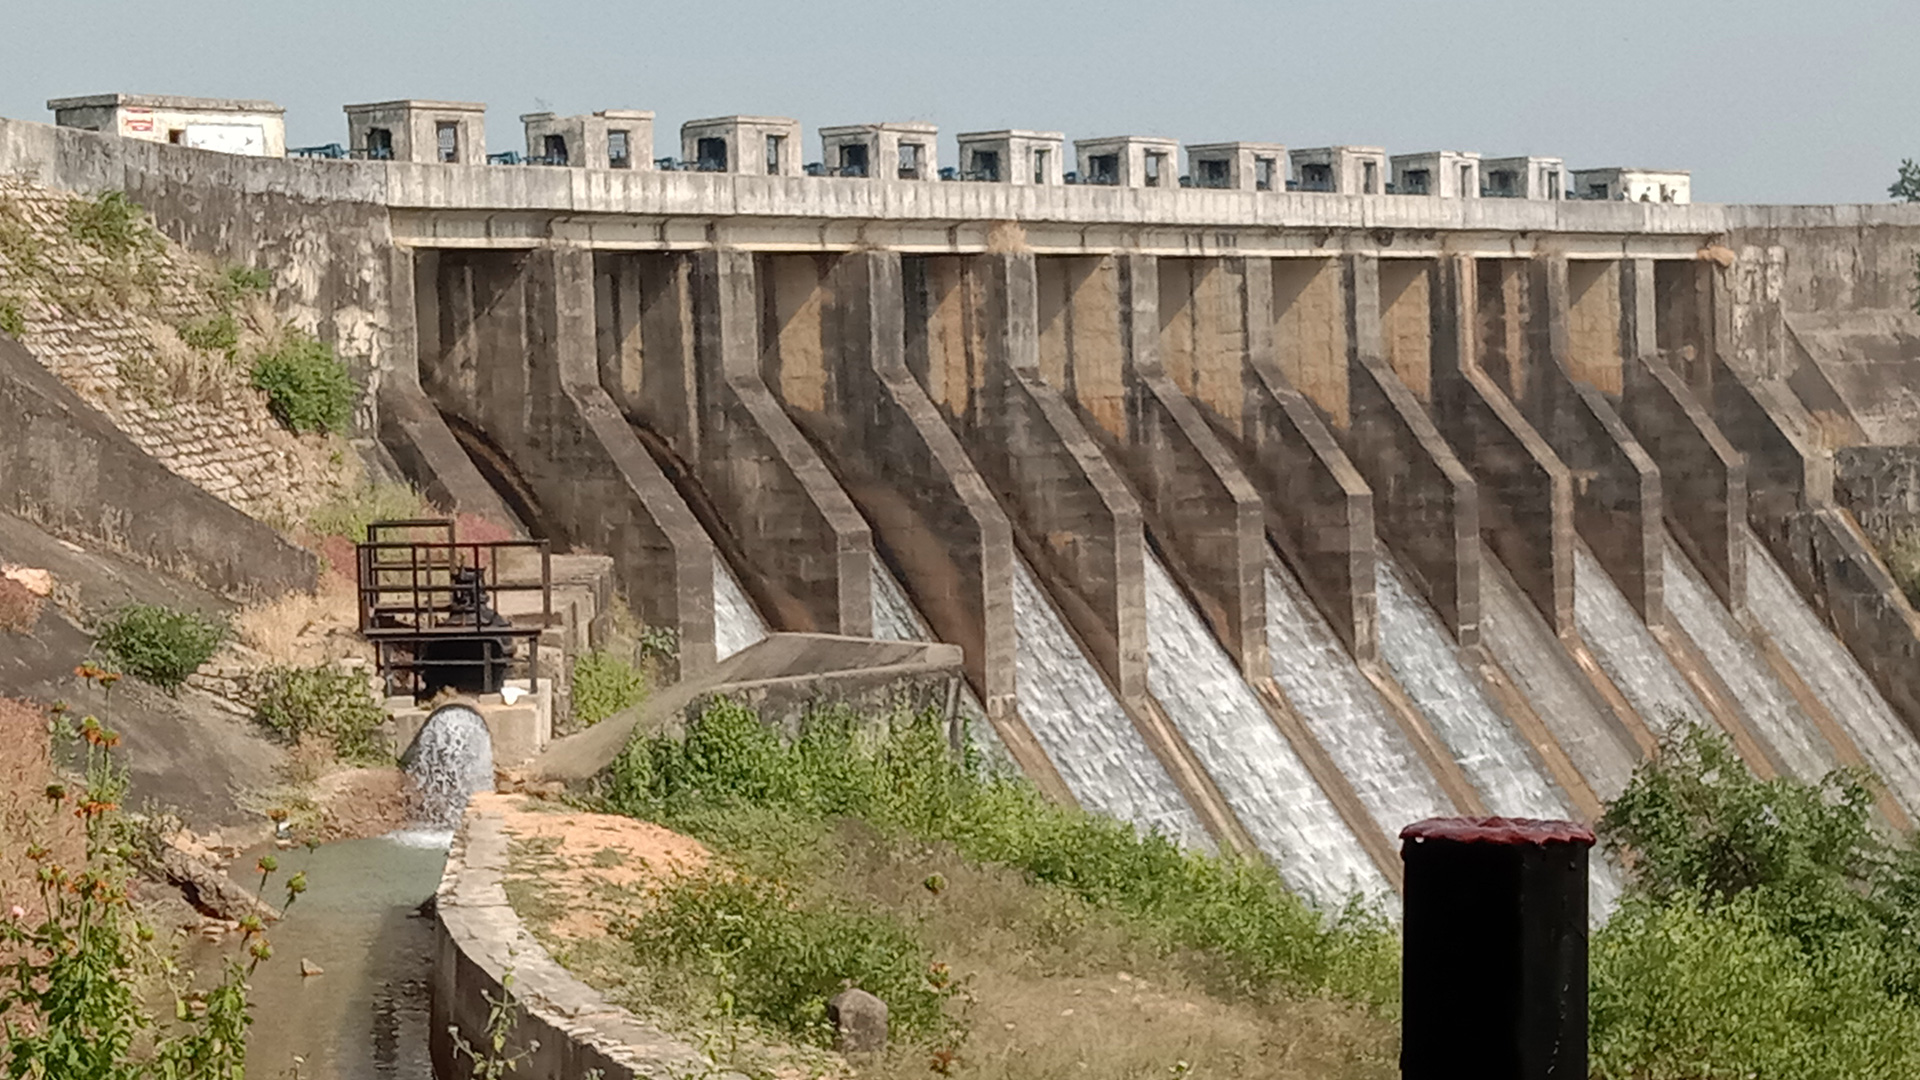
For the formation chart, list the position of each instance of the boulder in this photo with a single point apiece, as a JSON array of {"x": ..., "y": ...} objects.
[{"x": 860, "y": 1021}]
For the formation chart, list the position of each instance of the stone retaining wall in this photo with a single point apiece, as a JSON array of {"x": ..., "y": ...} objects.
[{"x": 563, "y": 1029}]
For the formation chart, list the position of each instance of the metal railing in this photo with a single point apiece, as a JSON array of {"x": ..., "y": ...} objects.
[{"x": 425, "y": 601}]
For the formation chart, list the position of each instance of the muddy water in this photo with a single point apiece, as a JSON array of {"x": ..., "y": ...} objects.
[{"x": 366, "y": 1017}]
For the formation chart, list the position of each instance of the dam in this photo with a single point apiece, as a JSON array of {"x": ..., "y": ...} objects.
[{"x": 1272, "y": 517}]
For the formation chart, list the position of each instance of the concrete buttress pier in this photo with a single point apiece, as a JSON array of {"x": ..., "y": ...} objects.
[
  {"x": 974, "y": 340},
  {"x": 933, "y": 515},
  {"x": 1101, "y": 327},
  {"x": 513, "y": 365},
  {"x": 809, "y": 551},
  {"x": 1426, "y": 504}
]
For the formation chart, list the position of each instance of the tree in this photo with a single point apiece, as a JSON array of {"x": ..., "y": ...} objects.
[{"x": 1907, "y": 188}]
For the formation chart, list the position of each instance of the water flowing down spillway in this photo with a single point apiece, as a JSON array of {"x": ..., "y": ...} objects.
[
  {"x": 1520, "y": 639},
  {"x": 1834, "y": 676},
  {"x": 896, "y": 619},
  {"x": 1500, "y": 765},
  {"x": 1085, "y": 732},
  {"x": 736, "y": 624},
  {"x": 1250, "y": 761},
  {"x": 1628, "y": 653},
  {"x": 1770, "y": 707},
  {"x": 450, "y": 760},
  {"x": 1344, "y": 710},
  {"x": 894, "y": 616}
]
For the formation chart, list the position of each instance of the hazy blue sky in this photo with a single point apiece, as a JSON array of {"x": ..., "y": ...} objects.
[{"x": 1765, "y": 100}]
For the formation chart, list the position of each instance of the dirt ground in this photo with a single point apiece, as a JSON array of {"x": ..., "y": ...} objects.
[
  {"x": 593, "y": 867},
  {"x": 27, "y": 818}
]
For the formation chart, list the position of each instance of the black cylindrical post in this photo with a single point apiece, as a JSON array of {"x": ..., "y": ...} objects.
[{"x": 1494, "y": 969}]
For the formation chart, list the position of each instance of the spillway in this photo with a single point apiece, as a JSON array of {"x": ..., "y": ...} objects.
[
  {"x": 1083, "y": 728},
  {"x": 1628, "y": 653},
  {"x": 1344, "y": 710},
  {"x": 1769, "y": 706},
  {"x": 894, "y": 616},
  {"x": 1834, "y": 675},
  {"x": 736, "y": 624},
  {"x": 1500, "y": 765},
  {"x": 1253, "y": 765},
  {"x": 1520, "y": 639}
]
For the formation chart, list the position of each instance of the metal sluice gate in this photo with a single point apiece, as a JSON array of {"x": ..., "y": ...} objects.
[{"x": 428, "y": 599}]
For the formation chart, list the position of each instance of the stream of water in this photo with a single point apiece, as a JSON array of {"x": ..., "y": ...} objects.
[
  {"x": 1834, "y": 675},
  {"x": 1628, "y": 652},
  {"x": 736, "y": 624},
  {"x": 1344, "y": 710},
  {"x": 1253, "y": 765},
  {"x": 1499, "y": 764},
  {"x": 1083, "y": 728},
  {"x": 1768, "y": 705},
  {"x": 1518, "y": 636}
]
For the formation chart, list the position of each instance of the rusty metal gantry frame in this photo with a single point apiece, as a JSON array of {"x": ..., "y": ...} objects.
[{"x": 408, "y": 598}]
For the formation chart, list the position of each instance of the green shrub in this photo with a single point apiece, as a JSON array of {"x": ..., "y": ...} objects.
[
  {"x": 349, "y": 515},
  {"x": 213, "y": 334},
  {"x": 901, "y": 776},
  {"x": 1694, "y": 990},
  {"x": 1902, "y": 554},
  {"x": 13, "y": 321},
  {"x": 111, "y": 224},
  {"x": 604, "y": 684},
  {"x": 1768, "y": 930},
  {"x": 238, "y": 282},
  {"x": 324, "y": 701},
  {"x": 780, "y": 953},
  {"x": 307, "y": 387},
  {"x": 159, "y": 645}
]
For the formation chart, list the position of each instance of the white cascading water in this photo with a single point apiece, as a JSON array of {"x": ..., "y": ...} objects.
[
  {"x": 1834, "y": 675},
  {"x": 736, "y": 624},
  {"x": 1770, "y": 707},
  {"x": 1497, "y": 762},
  {"x": 1083, "y": 728},
  {"x": 450, "y": 760},
  {"x": 1518, "y": 636},
  {"x": 1250, "y": 761},
  {"x": 1344, "y": 710},
  {"x": 896, "y": 619},
  {"x": 1628, "y": 653}
]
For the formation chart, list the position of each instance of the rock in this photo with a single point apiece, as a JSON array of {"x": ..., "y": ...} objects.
[
  {"x": 308, "y": 969},
  {"x": 859, "y": 1021},
  {"x": 207, "y": 889}
]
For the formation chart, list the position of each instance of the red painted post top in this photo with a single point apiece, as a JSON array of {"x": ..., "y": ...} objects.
[{"x": 1498, "y": 830}]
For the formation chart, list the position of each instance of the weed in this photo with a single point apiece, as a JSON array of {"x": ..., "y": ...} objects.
[
  {"x": 349, "y": 515},
  {"x": 899, "y": 775},
  {"x": 159, "y": 645},
  {"x": 111, "y": 224},
  {"x": 214, "y": 334},
  {"x": 659, "y": 643},
  {"x": 70, "y": 989},
  {"x": 19, "y": 607},
  {"x": 13, "y": 321},
  {"x": 1901, "y": 551},
  {"x": 492, "y": 1061},
  {"x": 20, "y": 247},
  {"x": 236, "y": 283},
  {"x": 323, "y": 701},
  {"x": 603, "y": 684},
  {"x": 307, "y": 387},
  {"x": 778, "y": 953}
]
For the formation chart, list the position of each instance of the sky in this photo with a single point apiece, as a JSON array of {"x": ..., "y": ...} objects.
[{"x": 1788, "y": 101}]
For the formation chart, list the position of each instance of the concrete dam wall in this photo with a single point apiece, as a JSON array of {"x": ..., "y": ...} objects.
[{"x": 1276, "y": 521}]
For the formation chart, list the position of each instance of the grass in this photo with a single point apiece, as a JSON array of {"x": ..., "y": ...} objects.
[
  {"x": 323, "y": 702},
  {"x": 1901, "y": 551},
  {"x": 1012, "y": 938},
  {"x": 604, "y": 683},
  {"x": 349, "y": 515},
  {"x": 159, "y": 645}
]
